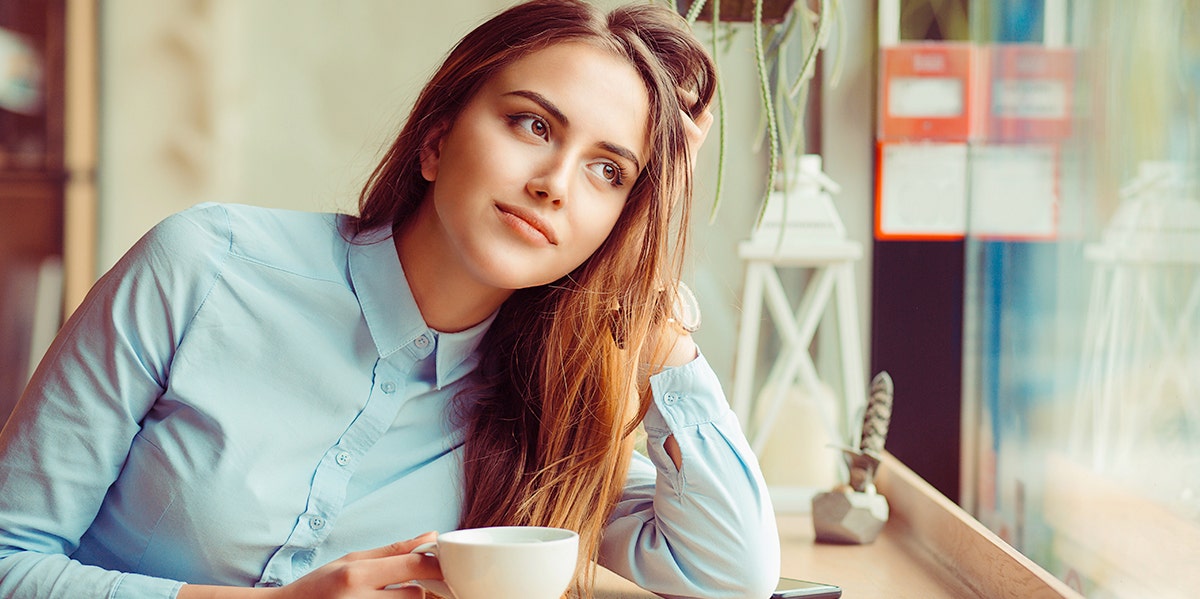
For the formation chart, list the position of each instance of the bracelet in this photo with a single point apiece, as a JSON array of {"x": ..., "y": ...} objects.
[{"x": 686, "y": 312}]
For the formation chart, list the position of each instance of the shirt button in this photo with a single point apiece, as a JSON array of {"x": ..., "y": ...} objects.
[
  {"x": 422, "y": 341},
  {"x": 316, "y": 523},
  {"x": 388, "y": 387},
  {"x": 671, "y": 398},
  {"x": 343, "y": 458}
]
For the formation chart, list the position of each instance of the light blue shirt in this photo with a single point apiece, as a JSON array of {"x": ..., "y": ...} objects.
[{"x": 246, "y": 396}]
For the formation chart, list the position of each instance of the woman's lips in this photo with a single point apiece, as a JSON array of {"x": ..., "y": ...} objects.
[{"x": 527, "y": 222}]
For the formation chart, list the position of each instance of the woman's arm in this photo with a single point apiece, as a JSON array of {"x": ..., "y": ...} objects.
[
  {"x": 695, "y": 519},
  {"x": 69, "y": 436},
  {"x": 682, "y": 350}
]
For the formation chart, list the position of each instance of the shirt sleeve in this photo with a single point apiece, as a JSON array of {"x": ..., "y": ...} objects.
[
  {"x": 70, "y": 433},
  {"x": 704, "y": 530}
]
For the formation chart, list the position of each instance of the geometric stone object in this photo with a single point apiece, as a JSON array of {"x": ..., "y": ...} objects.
[{"x": 848, "y": 517}]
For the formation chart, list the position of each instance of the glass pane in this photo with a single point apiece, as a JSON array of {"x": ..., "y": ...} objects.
[{"x": 1082, "y": 345}]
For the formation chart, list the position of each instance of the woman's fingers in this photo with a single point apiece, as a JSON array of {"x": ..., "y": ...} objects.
[
  {"x": 695, "y": 129},
  {"x": 378, "y": 569},
  {"x": 397, "y": 548},
  {"x": 705, "y": 121},
  {"x": 410, "y": 566},
  {"x": 687, "y": 100},
  {"x": 378, "y": 573},
  {"x": 396, "y": 563}
]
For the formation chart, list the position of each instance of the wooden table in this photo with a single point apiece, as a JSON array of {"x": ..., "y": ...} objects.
[{"x": 930, "y": 549}]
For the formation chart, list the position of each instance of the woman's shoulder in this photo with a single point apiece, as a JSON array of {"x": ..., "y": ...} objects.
[
  {"x": 242, "y": 222},
  {"x": 306, "y": 243}
]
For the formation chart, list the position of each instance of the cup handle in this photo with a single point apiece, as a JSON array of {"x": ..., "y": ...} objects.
[{"x": 435, "y": 586}]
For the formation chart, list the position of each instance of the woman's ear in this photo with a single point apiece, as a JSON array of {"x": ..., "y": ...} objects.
[{"x": 431, "y": 152}]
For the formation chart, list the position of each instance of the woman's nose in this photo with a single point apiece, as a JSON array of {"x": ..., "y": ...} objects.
[{"x": 551, "y": 181}]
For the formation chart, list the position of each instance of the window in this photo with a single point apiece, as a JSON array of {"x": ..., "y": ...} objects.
[{"x": 1082, "y": 341}]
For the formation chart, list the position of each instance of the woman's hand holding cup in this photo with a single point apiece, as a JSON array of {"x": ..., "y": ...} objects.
[{"x": 364, "y": 573}]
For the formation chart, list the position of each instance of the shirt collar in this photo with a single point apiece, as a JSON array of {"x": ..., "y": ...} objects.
[{"x": 391, "y": 312}]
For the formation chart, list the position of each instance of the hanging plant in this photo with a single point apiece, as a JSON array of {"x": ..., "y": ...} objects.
[
  {"x": 777, "y": 25},
  {"x": 742, "y": 11}
]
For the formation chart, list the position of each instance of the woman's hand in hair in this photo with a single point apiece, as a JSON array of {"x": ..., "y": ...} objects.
[{"x": 695, "y": 129}]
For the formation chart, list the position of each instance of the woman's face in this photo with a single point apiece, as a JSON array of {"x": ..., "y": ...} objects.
[{"x": 529, "y": 180}]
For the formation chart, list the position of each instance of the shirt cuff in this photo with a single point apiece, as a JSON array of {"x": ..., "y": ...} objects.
[
  {"x": 685, "y": 396},
  {"x": 139, "y": 586}
]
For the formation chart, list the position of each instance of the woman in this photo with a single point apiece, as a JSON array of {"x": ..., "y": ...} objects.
[{"x": 256, "y": 398}]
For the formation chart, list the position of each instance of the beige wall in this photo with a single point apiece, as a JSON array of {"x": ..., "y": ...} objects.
[{"x": 272, "y": 102}]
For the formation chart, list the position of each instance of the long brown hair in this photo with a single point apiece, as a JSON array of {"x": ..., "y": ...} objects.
[{"x": 550, "y": 418}]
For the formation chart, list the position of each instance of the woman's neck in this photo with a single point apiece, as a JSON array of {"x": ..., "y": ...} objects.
[{"x": 449, "y": 298}]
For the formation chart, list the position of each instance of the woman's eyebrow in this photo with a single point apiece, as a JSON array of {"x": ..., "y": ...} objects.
[
  {"x": 558, "y": 115},
  {"x": 623, "y": 152},
  {"x": 544, "y": 102}
]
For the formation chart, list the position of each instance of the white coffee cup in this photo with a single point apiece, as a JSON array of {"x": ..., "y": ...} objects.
[{"x": 504, "y": 562}]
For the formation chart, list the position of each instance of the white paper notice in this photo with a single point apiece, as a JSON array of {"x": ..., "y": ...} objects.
[
  {"x": 924, "y": 190},
  {"x": 925, "y": 97},
  {"x": 1013, "y": 191},
  {"x": 1030, "y": 99}
]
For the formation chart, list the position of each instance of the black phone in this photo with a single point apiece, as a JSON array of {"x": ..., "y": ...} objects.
[{"x": 790, "y": 587}]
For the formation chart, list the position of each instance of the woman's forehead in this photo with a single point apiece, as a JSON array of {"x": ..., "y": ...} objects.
[{"x": 590, "y": 85}]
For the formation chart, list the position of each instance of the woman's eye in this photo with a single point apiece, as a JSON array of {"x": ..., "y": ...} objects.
[
  {"x": 531, "y": 124},
  {"x": 609, "y": 172}
]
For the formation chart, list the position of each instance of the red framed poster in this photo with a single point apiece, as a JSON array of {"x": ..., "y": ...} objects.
[
  {"x": 926, "y": 91},
  {"x": 1028, "y": 92}
]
